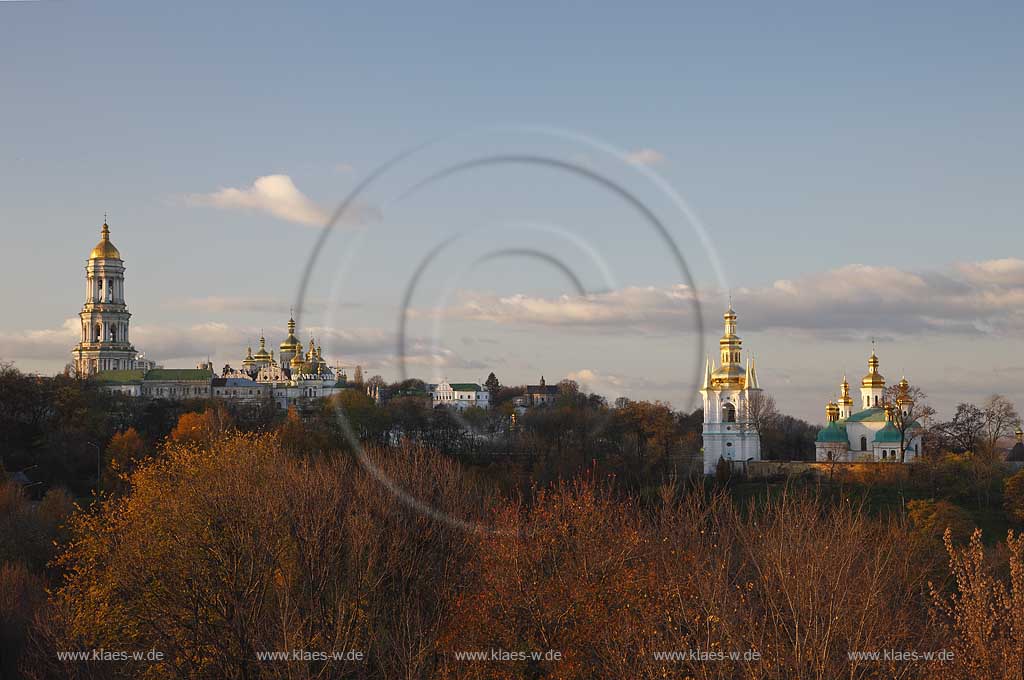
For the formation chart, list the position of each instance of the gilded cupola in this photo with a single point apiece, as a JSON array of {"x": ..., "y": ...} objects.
[
  {"x": 873, "y": 378},
  {"x": 105, "y": 250},
  {"x": 262, "y": 354},
  {"x": 291, "y": 343}
]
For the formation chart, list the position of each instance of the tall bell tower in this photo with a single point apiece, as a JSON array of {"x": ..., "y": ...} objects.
[
  {"x": 104, "y": 344},
  {"x": 728, "y": 392}
]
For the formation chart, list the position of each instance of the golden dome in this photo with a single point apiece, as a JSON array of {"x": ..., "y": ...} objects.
[
  {"x": 873, "y": 378},
  {"x": 263, "y": 354},
  {"x": 291, "y": 343},
  {"x": 105, "y": 250},
  {"x": 729, "y": 374}
]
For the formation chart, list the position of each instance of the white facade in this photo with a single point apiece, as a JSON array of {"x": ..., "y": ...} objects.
[
  {"x": 243, "y": 390},
  {"x": 727, "y": 391},
  {"x": 459, "y": 395}
]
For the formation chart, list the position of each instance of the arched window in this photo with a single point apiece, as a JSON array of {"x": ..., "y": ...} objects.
[
  {"x": 863, "y": 443},
  {"x": 729, "y": 413}
]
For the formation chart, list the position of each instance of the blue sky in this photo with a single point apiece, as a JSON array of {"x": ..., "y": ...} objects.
[{"x": 810, "y": 140}]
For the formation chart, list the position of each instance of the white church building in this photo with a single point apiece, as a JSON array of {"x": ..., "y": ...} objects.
[
  {"x": 728, "y": 389},
  {"x": 870, "y": 432}
]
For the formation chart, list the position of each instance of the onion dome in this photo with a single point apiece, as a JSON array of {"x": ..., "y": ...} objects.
[
  {"x": 291, "y": 343},
  {"x": 728, "y": 375},
  {"x": 249, "y": 360},
  {"x": 873, "y": 378},
  {"x": 888, "y": 434},
  {"x": 105, "y": 250},
  {"x": 833, "y": 433},
  {"x": 263, "y": 355},
  {"x": 832, "y": 411}
]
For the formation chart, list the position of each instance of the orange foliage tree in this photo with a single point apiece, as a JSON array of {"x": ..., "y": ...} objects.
[{"x": 201, "y": 428}]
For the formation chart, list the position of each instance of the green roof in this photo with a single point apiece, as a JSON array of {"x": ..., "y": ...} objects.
[
  {"x": 888, "y": 435},
  {"x": 875, "y": 414},
  {"x": 133, "y": 377},
  {"x": 179, "y": 374},
  {"x": 467, "y": 387},
  {"x": 833, "y": 432}
]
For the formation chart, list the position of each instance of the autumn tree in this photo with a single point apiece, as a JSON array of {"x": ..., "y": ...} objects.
[
  {"x": 201, "y": 428},
  {"x": 1013, "y": 497},
  {"x": 931, "y": 519},
  {"x": 225, "y": 551},
  {"x": 982, "y": 619},
  {"x": 124, "y": 451}
]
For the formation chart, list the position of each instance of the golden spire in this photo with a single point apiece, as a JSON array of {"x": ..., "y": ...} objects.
[{"x": 1020, "y": 435}]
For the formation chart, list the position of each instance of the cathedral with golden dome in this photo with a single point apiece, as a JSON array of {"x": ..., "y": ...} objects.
[
  {"x": 730, "y": 392},
  {"x": 295, "y": 363},
  {"x": 870, "y": 433}
]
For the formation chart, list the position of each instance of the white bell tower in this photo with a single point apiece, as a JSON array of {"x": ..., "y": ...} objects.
[
  {"x": 727, "y": 392},
  {"x": 104, "y": 344}
]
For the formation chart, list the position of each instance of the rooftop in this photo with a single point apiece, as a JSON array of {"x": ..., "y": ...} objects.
[
  {"x": 132, "y": 377},
  {"x": 194, "y": 374}
]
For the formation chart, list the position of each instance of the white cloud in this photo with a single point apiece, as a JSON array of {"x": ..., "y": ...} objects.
[
  {"x": 974, "y": 298},
  {"x": 273, "y": 194},
  {"x": 645, "y": 156}
]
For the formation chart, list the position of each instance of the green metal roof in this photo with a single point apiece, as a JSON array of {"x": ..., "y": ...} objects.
[
  {"x": 132, "y": 377},
  {"x": 833, "y": 432},
  {"x": 466, "y": 387},
  {"x": 888, "y": 435},
  {"x": 875, "y": 414},
  {"x": 179, "y": 374}
]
